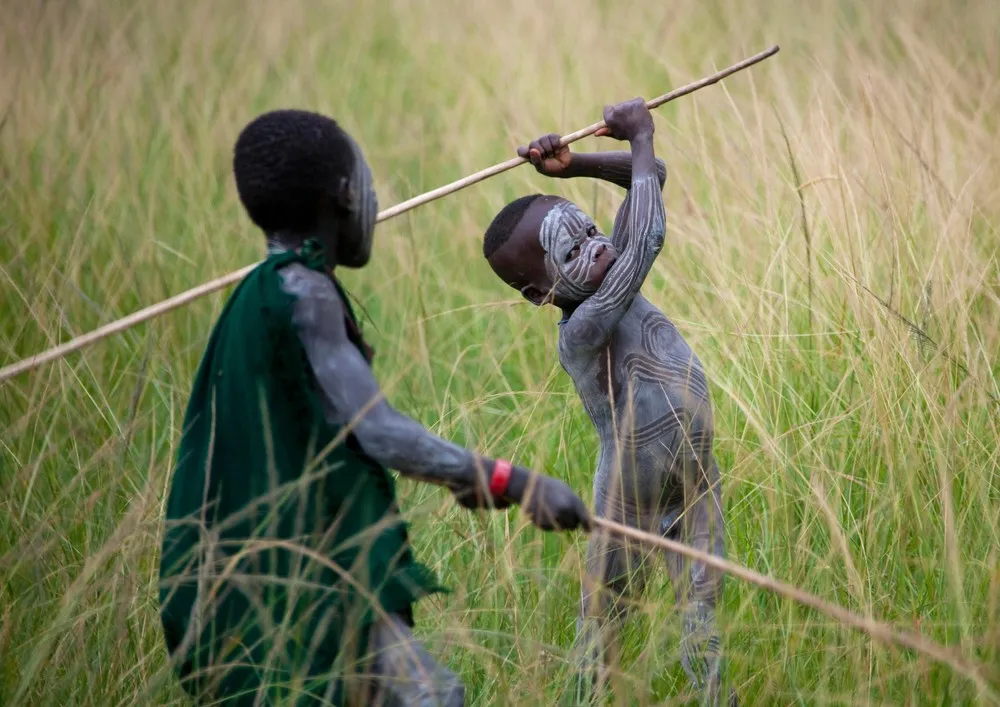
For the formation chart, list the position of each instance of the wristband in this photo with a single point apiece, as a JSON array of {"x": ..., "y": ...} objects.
[{"x": 500, "y": 478}]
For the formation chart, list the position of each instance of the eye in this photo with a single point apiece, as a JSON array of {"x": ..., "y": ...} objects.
[{"x": 591, "y": 231}]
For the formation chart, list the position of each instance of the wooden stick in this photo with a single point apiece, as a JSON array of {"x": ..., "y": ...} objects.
[
  {"x": 176, "y": 301},
  {"x": 572, "y": 137},
  {"x": 877, "y": 630}
]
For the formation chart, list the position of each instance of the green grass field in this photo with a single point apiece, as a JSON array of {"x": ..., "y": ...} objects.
[{"x": 853, "y": 357}]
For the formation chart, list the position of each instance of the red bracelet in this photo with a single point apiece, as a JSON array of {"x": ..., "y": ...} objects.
[{"x": 500, "y": 478}]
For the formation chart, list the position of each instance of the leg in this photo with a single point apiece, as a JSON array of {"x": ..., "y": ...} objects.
[
  {"x": 700, "y": 524},
  {"x": 616, "y": 571},
  {"x": 405, "y": 674}
]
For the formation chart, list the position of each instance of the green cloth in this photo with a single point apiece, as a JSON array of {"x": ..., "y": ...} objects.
[{"x": 257, "y": 447}]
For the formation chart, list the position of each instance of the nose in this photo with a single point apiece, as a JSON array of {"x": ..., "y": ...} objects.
[{"x": 599, "y": 251}]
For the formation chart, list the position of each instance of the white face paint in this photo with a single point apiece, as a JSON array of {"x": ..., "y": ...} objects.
[
  {"x": 363, "y": 205},
  {"x": 572, "y": 245}
]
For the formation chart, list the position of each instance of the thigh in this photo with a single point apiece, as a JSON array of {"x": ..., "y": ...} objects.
[
  {"x": 404, "y": 674},
  {"x": 617, "y": 563},
  {"x": 695, "y": 518},
  {"x": 630, "y": 496}
]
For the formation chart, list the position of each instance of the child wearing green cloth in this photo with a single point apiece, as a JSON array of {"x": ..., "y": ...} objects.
[{"x": 285, "y": 560}]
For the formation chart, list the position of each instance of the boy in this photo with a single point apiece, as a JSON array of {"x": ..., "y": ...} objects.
[
  {"x": 641, "y": 385},
  {"x": 286, "y": 559}
]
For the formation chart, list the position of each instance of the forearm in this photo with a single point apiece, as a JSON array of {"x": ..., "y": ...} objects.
[
  {"x": 614, "y": 167},
  {"x": 399, "y": 442},
  {"x": 638, "y": 235},
  {"x": 644, "y": 225},
  {"x": 643, "y": 157}
]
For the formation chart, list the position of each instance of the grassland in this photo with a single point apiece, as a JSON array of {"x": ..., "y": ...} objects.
[{"x": 832, "y": 248}]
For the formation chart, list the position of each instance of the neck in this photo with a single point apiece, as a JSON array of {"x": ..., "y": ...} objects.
[
  {"x": 568, "y": 309},
  {"x": 283, "y": 241}
]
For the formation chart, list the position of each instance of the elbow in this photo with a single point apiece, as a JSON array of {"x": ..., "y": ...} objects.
[
  {"x": 655, "y": 237},
  {"x": 380, "y": 437}
]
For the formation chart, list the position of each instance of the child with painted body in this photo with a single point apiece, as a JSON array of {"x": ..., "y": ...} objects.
[
  {"x": 285, "y": 558},
  {"x": 641, "y": 385}
]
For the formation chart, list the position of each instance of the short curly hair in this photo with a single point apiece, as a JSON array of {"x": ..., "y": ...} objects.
[
  {"x": 505, "y": 222},
  {"x": 287, "y": 165}
]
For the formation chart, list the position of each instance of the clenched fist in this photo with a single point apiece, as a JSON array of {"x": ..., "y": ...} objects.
[
  {"x": 627, "y": 120},
  {"x": 548, "y": 157},
  {"x": 550, "y": 503}
]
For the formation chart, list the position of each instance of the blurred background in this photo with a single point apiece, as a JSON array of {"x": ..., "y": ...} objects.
[{"x": 831, "y": 257}]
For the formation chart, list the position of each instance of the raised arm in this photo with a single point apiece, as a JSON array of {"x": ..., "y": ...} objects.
[
  {"x": 638, "y": 235},
  {"x": 614, "y": 167},
  {"x": 353, "y": 397},
  {"x": 559, "y": 162}
]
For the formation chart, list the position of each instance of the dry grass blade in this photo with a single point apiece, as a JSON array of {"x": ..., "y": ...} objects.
[
  {"x": 875, "y": 629},
  {"x": 859, "y": 465}
]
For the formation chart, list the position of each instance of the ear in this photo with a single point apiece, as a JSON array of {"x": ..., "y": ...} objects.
[
  {"x": 345, "y": 196},
  {"x": 533, "y": 295}
]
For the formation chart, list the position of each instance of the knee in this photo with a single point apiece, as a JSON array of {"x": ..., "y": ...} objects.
[
  {"x": 670, "y": 525},
  {"x": 707, "y": 584}
]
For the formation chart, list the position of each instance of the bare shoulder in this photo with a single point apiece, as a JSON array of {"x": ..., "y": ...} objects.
[
  {"x": 316, "y": 299},
  {"x": 301, "y": 281},
  {"x": 581, "y": 341},
  {"x": 579, "y": 336}
]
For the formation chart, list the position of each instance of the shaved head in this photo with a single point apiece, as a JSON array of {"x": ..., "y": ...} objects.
[
  {"x": 299, "y": 174},
  {"x": 552, "y": 252}
]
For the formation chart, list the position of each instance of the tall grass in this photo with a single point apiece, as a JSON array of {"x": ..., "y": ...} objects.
[{"x": 848, "y": 317}]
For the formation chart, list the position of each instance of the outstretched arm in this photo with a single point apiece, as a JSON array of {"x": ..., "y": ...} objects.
[
  {"x": 638, "y": 235},
  {"x": 552, "y": 160},
  {"x": 394, "y": 440}
]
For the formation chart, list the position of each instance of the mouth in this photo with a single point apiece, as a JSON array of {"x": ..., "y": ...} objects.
[
  {"x": 604, "y": 263},
  {"x": 611, "y": 258}
]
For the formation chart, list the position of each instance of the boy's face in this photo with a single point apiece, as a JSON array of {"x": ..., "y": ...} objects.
[
  {"x": 352, "y": 223},
  {"x": 555, "y": 254}
]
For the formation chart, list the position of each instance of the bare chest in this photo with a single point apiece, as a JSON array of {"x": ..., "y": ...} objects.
[{"x": 646, "y": 372}]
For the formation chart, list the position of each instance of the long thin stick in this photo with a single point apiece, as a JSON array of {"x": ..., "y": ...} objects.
[
  {"x": 176, "y": 301},
  {"x": 875, "y": 629}
]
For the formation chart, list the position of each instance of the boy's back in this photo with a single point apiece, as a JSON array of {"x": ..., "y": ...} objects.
[
  {"x": 252, "y": 460},
  {"x": 284, "y": 555}
]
